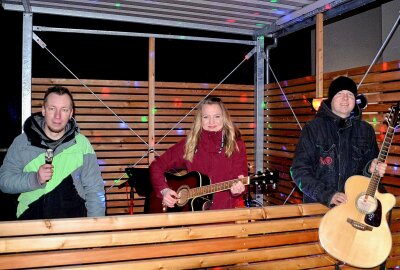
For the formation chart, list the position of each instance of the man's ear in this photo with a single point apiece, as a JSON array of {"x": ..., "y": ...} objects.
[{"x": 43, "y": 111}]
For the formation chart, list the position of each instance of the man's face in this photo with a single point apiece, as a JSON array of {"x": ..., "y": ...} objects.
[
  {"x": 57, "y": 111},
  {"x": 343, "y": 103},
  {"x": 211, "y": 117}
]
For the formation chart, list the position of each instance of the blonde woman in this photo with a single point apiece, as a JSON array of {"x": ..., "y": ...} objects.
[{"x": 213, "y": 148}]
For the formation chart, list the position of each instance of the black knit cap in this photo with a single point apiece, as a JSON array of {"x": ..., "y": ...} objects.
[{"x": 339, "y": 84}]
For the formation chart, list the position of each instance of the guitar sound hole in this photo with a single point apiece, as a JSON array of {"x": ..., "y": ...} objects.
[
  {"x": 366, "y": 204},
  {"x": 183, "y": 194}
]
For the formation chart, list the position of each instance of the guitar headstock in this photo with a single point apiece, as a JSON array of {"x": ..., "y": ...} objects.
[
  {"x": 265, "y": 178},
  {"x": 392, "y": 117}
]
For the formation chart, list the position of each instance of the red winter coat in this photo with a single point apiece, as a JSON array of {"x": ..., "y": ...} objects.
[{"x": 207, "y": 160}]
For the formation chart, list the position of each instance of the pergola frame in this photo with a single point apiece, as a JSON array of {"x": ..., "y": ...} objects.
[
  {"x": 303, "y": 14},
  {"x": 29, "y": 35}
]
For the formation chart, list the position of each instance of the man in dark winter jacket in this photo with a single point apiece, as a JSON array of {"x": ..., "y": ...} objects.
[
  {"x": 69, "y": 183},
  {"x": 335, "y": 145}
]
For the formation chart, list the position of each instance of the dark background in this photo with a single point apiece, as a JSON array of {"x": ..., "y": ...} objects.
[{"x": 126, "y": 58}]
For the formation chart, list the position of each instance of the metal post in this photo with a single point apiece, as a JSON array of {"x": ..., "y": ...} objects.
[
  {"x": 259, "y": 108},
  {"x": 27, "y": 34}
]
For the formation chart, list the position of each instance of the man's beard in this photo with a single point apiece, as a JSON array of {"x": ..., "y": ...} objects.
[{"x": 56, "y": 130}]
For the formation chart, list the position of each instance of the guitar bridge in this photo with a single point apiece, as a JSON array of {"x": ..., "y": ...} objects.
[{"x": 359, "y": 225}]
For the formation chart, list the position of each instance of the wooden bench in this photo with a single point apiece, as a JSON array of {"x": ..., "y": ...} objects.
[{"x": 274, "y": 237}]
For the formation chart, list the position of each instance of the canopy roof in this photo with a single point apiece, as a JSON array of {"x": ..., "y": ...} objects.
[{"x": 272, "y": 18}]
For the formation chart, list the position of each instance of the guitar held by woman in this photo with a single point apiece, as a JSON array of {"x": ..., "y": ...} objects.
[{"x": 213, "y": 147}]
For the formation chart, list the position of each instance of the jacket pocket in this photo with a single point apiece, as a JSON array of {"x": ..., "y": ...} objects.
[
  {"x": 360, "y": 152},
  {"x": 327, "y": 157}
]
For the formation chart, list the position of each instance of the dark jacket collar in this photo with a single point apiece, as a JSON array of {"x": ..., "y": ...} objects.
[
  {"x": 325, "y": 111},
  {"x": 34, "y": 130}
]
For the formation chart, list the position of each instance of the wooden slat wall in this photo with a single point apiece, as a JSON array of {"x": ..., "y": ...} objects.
[
  {"x": 118, "y": 147},
  {"x": 382, "y": 88},
  {"x": 274, "y": 237}
]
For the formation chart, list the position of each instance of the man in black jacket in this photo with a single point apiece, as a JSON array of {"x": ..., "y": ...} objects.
[{"x": 335, "y": 145}]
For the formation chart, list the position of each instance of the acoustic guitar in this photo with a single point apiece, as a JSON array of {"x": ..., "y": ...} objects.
[
  {"x": 357, "y": 232},
  {"x": 195, "y": 191}
]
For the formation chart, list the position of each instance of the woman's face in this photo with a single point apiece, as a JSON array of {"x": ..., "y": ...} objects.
[{"x": 211, "y": 117}]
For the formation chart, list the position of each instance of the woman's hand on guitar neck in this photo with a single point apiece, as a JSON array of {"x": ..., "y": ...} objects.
[
  {"x": 170, "y": 197},
  {"x": 338, "y": 198},
  {"x": 238, "y": 188}
]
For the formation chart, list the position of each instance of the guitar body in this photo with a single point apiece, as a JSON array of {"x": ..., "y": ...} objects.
[
  {"x": 180, "y": 184},
  {"x": 351, "y": 233}
]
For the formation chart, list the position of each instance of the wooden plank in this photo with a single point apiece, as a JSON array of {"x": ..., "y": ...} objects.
[
  {"x": 316, "y": 262},
  {"x": 381, "y": 67},
  {"x": 91, "y": 240},
  {"x": 211, "y": 260},
  {"x": 84, "y": 256},
  {"x": 57, "y": 226}
]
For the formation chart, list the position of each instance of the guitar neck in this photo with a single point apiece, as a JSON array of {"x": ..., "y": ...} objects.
[
  {"x": 213, "y": 188},
  {"x": 383, "y": 153}
]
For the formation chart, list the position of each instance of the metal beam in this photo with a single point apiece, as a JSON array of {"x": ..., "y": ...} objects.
[
  {"x": 26, "y": 66},
  {"x": 259, "y": 105},
  {"x": 135, "y": 19},
  {"x": 331, "y": 10},
  {"x": 144, "y": 35}
]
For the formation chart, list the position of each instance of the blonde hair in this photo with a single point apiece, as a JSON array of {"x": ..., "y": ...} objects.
[{"x": 231, "y": 133}]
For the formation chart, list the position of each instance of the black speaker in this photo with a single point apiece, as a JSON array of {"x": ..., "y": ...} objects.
[{"x": 139, "y": 178}]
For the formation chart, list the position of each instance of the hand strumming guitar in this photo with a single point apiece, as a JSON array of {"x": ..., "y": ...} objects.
[
  {"x": 338, "y": 198},
  {"x": 170, "y": 197}
]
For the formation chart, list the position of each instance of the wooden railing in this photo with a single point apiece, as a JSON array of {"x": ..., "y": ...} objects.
[{"x": 275, "y": 237}]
